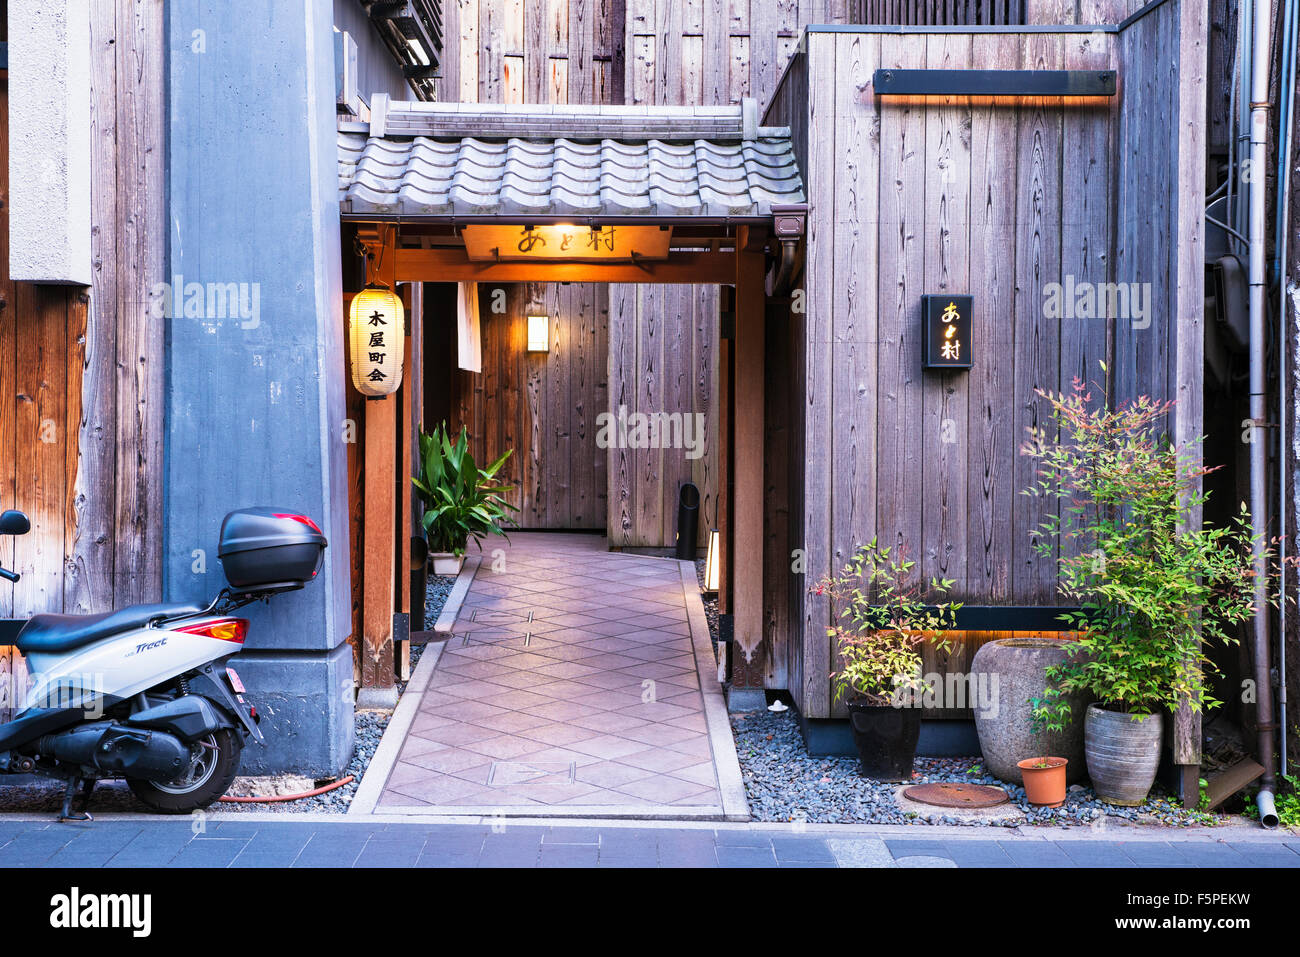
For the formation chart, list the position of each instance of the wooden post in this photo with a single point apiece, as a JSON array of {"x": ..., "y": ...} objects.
[
  {"x": 747, "y": 668},
  {"x": 725, "y": 418},
  {"x": 378, "y": 688},
  {"x": 1189, "y": 338}
]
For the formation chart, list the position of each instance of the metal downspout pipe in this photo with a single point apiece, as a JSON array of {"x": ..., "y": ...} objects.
[{"x": 1259, "y": 62}]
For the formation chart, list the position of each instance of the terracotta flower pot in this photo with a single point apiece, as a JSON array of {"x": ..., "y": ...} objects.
[{"x": 1044, "y": 780}]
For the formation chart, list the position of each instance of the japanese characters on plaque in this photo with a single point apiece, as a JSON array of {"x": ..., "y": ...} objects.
[{"x": 946, "y": 332}]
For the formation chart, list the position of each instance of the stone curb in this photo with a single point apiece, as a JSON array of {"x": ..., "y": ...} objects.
[
  {"x": 390, "y": 745},
  {"x": 726, "y": 764},
  {"x": 451, "y": 608}
]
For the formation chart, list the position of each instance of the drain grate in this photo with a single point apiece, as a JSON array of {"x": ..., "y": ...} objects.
[
  {"x": 952, "y": 794},
  {"x": 495, "y": 616}
]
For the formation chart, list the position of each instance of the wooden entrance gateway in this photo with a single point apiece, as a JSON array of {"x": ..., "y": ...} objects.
[{"x": 446, "y": 193}]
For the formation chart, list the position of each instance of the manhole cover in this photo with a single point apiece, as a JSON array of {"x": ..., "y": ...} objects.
[{"x": 950, "y": 794}]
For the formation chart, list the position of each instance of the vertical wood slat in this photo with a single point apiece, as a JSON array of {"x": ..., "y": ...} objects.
[
  {"x": 854, "y": 299},
  {"x": 901, "y": 283},
  {"x": 993, "y": 441},
  {"x": 140, "y": 264},
  {"x": 1037, "y": 343},
  {"x": 1189, "y": 290},
  {"x": 820, "y": 185},
  {"x": 88, "y": 588},
  {"x": 944, "y": 396}
]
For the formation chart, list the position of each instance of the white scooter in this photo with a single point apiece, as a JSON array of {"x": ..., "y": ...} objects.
[{"x": 145, "y": 692}]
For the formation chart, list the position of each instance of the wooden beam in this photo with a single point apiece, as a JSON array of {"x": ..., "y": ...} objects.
[
  {"x": 380, "y": 567},
  {"x": 452, "y": 265},
  {"x": 747, "y": 477}
]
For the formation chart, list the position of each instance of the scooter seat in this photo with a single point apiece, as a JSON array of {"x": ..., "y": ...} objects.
[{"x": 53, "y": 634}]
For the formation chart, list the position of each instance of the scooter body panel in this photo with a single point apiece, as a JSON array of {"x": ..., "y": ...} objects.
[{"x": 117, "y": 667}]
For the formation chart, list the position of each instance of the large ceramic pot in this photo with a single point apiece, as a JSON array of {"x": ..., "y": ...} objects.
[
  {"x": 1123, "y": 752},
  {"x": 886, "y": 739},
  {"x": 1006, "y": 674}
]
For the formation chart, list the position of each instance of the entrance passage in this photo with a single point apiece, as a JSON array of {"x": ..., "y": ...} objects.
[{"x": 569, "y": 682}]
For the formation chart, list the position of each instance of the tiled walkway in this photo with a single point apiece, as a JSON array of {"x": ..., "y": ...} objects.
[{"x": 569, "y": 681}]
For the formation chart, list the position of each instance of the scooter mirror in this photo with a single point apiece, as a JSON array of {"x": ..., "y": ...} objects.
[{"x": 14, "y": 523}]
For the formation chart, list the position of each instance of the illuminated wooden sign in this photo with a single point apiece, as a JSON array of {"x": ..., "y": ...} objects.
[
  {"x": 566, "y": 243},
  {"x": 946, "y": 332}
]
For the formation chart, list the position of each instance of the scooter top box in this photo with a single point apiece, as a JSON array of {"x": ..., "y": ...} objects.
[{"x": 267, "y": 547}]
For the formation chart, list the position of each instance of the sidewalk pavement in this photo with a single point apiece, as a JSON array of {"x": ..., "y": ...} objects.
[{"x": 136, "y": 842}]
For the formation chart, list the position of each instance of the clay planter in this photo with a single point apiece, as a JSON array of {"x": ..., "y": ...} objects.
[
  {"x": 1004, "y": 723},
  {"x": 886, "y": 739},
  {"x": 445, "y": 563},
  {"x": 1123, "y": 754},
  {"x": 1044, "y": 785}
]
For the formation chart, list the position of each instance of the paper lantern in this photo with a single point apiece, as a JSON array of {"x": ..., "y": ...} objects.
[{"x": 377, "y": 333}]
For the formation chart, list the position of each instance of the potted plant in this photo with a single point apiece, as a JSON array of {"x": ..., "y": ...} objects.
[
  {"x": 879, "y": 621},
  {"x": 461, "y": 501},
  {"x": 1155, "y": 588},
  {"x": 1044, "y": 775}
]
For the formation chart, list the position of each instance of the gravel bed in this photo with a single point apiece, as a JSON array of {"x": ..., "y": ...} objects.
[
  {"x": 44, "y": 795},
  {"x": 785, "y": 783}
]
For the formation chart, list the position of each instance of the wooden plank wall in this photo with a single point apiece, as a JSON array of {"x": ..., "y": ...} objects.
[
  {"x": 662, "y": 340},
  {"x": 951, "y": 195},
  {"x": 81, "y": 374},
  {"x": 542, "y": 405}
]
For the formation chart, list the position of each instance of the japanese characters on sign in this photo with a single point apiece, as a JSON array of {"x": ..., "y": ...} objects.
[
  {"x": 565, "y": 242},
  {"x": 946, "y": 332},
  {"x": 376, "y": 333}
]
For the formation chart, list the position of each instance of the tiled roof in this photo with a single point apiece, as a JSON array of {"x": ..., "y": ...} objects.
[{"x": 645, "y": 171}]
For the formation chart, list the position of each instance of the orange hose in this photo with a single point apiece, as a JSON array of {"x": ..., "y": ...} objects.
[{"x": 285, "y": 797}]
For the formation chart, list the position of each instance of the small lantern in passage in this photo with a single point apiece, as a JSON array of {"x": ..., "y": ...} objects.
[
  {"x": 946, "y": 332},
  {"x": 713, "y": 563},
  {"x": 376, "y": 331},
  {"x": 539, "y": 334}
]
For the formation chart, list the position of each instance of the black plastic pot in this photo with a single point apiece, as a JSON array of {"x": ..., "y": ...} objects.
[{"x": 886, "y": 739}]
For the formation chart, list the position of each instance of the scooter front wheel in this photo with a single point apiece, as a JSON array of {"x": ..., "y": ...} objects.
[{"x": 215, "y": 764}]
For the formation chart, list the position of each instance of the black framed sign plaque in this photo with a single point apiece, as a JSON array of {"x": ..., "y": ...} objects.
[{"x": 946, "y": 332}]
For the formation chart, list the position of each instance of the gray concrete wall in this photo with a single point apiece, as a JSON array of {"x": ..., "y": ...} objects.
[{"x": 255, "y": 406}]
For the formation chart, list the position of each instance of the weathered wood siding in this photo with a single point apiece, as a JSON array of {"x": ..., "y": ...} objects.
[
  {"x": 541, "y": 405},
  {"x": 998, "y": 200},
  {"x": 81, "y": 371},
  {"x": 662, "y": 341}
]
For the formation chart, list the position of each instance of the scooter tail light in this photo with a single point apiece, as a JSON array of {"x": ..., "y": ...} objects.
[
  {"x": 293, "y": 516},
  {"x": 226, "y": 629}
]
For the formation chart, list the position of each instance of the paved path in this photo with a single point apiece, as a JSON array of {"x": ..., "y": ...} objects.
[
  {"x": 296, "y": 843},
  {"x": 569, "y": 685}
]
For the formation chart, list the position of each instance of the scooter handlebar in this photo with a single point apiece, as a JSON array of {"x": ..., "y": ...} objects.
[{"x": 11, "y": 576}]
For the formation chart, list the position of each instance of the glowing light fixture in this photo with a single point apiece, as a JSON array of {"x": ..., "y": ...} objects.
[
  {"x": 376, "y": 334},
  {"x": 713, "y": 562},
  {"x": 539, "y": 334}
]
